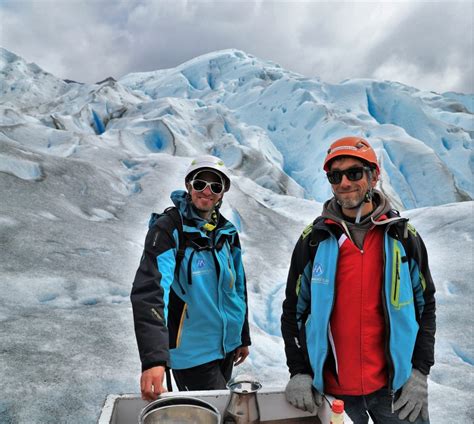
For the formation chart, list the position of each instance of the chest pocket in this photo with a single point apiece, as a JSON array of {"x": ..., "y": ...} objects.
[{"x": 401, "y": 293}]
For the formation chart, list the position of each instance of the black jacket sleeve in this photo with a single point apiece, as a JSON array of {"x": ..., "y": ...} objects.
[
  {"x": 147, "y": 297},
  {"x": 245, "y": 329},
  {"x": 423, "y": 355},
  {"x": 295, "y": 348}
]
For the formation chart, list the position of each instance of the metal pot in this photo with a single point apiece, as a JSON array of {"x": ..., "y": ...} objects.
[
  {"x": 179, "y": 410},
  {"x": 242, "y": 407}
]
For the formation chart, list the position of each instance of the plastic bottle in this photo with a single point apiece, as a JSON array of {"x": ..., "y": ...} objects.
[{"x": 337, "y": 412}]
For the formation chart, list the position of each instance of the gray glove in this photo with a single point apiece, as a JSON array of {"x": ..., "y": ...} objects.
[
  {"x": 414, "y": 397},
  {"x": 300, "y": 393}
]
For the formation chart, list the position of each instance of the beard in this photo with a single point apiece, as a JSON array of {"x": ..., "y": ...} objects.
[
  {"x": 208, "y": 209},
  {"x": 349, "y": 202}
]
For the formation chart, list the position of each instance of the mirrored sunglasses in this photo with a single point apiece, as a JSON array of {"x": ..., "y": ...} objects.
[
  {"x": 200, "y": 185},
  {"x": 352, "y": 174}
]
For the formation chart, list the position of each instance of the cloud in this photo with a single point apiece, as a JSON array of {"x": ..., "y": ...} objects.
[
  {"x": 418, "y": 43},
  {"x": 69, "y": 39},
  {"x": 432, "y": 47},
  {"x": 337, "y": 39}
]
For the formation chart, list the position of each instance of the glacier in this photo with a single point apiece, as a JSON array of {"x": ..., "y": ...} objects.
[{"x": 83, "y": 165}]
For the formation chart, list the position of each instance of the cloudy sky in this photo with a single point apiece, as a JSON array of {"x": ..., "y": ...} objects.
[{"x": 428, "y": 45}]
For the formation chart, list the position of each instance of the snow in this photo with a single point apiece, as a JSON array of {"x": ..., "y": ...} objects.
[
  {"x": 24, "y": 169},
  {"x": 83, "y": 166},
  {"x": 26, "y": 84},
  {"x": 304, "y": 115}
]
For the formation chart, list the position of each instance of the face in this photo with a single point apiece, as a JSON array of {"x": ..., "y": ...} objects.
[
  {"x": 205, "y": 201},
  {"x": 350, "y": 194}
]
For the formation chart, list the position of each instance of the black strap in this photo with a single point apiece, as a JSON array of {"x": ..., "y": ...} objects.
[
  {"x": 174, "y": 214},
  {"x": 221, "y": 242},
  {"x": 190, "y": 273}
]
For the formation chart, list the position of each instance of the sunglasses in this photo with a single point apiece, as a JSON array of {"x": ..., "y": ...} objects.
[
  {"x": 352, "y": 174},
  {"x": 200, "y": 185}
]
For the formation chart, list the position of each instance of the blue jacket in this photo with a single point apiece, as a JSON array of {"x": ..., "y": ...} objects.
[
  {"x": 408, "y": 302},
  {"x": 199, "y": 313}
]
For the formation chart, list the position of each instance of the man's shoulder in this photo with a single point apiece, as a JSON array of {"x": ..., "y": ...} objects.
[
  {"x": 318, "y": 223},
  {"x": 169, "y": 219},
  {"x": 314, "y": 233},
  {"x": 226, "y": 226},
  {"x": 307, "y": 231},
  {"x": 407, "y": 234}
]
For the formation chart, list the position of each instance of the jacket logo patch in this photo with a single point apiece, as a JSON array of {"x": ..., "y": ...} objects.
[
  {"x": 201, "y": 267},
  {"x": 317, "y": 270},
  {"x": 317, "y": 276}
]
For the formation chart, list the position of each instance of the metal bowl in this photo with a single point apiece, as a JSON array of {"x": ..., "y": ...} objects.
[{"x": 179, "y": 410}]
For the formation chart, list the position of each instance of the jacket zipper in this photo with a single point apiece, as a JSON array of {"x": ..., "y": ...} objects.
[
  {"x": 231, "y": 275},
  {"x": 388, "y": 355},
  {"x": 396, "y": 295},
  {"x": 219, "y": 299},
  {"x": 332, "y": 306}
]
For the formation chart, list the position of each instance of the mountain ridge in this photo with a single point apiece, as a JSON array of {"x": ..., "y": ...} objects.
[{"x": 237, "y": 104}]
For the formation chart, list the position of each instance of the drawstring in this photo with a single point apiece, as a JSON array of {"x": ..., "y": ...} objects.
[
  {"x": 359, "y": 213},
  {"x": 386, "y": 221},
  {"x": 346, "y": 228}
]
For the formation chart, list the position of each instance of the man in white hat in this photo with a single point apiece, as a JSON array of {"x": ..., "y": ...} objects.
[{"x": 189, "y": 295}]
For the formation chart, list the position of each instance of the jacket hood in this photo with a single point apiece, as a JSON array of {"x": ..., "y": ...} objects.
[{"x": 357, "y": 232}]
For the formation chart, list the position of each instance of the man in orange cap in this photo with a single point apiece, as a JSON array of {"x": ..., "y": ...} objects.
[{"x": 359, "y": 314}]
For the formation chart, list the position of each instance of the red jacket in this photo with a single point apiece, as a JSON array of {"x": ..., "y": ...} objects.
[{"x": 357, "y": 324}]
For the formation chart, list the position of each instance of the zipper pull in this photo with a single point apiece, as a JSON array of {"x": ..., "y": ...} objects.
[{"x": 392, "y": 394}]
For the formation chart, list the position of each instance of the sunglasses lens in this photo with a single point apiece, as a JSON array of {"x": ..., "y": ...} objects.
[
  {"x": 355, "y": 174},
  {"x": 216, "y": 188},
  {"x": 352, "y": 174},
  {"x": 334, "y": 177},
  {"x": 199, "y": 185}
]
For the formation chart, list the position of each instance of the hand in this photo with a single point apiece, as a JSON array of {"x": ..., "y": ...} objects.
[
  {"x": 414, "y": 397},
  {"x": 151, "y": 383},
  {"x": 301, "y": 394},
  {"x": 240, "y": 355}
]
